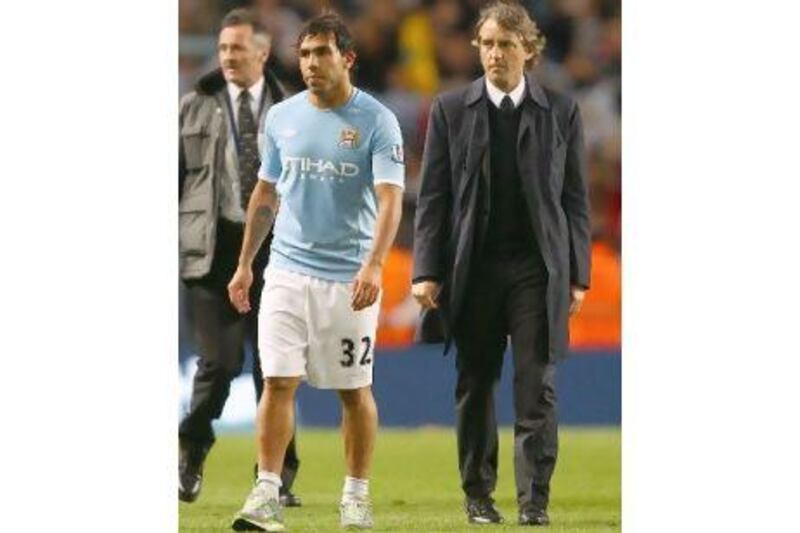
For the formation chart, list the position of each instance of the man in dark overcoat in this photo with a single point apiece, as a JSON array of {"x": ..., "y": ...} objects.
[{"x": 502, "y": 250}]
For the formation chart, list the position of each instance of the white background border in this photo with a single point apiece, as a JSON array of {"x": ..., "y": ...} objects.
[{"x": 89, "y": 266}]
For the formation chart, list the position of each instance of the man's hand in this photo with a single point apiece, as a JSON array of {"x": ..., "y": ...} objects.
[
  {"x": 239, "y": 289},
  {"x": 576, "y": 295},
  {"x": 366, "y": 286},
  {"x": 425, "y": 292}
]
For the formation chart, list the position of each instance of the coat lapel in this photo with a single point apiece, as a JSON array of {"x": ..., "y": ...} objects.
[
  {"x": 226, "y": 125},
  {"x": 479, "y": 137},
  {"x": 530, "y": 140},
  {"x": 476, "y": 139},
  {"x": 527, "y": 141},
  {"x": 533, "y": 156}
]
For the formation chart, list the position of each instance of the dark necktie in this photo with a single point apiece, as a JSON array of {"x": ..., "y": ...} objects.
[
  {"x": 506, "y": 105},
  {"x": 248, "y": 148}
]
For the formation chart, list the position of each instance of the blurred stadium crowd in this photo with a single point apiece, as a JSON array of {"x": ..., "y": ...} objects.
[{"x": 409, "y": 50}]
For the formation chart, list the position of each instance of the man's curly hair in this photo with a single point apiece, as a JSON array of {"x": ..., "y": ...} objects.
[{"x": 512, "y": 16}]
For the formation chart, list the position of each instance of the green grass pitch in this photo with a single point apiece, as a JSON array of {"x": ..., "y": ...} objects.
[{"x": 415, "y": 485}]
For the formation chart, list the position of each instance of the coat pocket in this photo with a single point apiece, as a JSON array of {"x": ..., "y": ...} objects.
[
  {"x": 193, "y": 226},
  {"x": 195, "y": 143}
]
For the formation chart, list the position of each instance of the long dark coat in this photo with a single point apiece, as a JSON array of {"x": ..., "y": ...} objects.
[{"x": 552, "y": 167}]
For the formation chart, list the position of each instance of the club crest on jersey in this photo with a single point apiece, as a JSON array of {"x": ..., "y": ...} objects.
[{"x": 348, "y": 138}]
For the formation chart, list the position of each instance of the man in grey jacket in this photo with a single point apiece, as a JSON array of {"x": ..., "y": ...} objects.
[{"x": 218, "y": 159}]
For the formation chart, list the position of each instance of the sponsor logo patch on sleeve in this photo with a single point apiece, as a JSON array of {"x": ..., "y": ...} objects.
[{"x": 397, "y": 154}]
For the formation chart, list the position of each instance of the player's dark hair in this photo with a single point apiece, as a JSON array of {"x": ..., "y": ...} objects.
[{"x": 329, "y": 23}]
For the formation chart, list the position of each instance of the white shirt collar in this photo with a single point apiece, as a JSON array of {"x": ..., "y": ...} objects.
[
  {"x": 496, "y": 95},
  {"x": 255, "y": 94}
]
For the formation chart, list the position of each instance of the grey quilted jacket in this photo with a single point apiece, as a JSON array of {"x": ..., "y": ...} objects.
[{"x": 204, "y": 133}]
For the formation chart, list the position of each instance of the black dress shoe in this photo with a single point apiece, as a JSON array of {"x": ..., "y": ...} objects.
[
  {"x": 482, "y": 511},
  {"x": 190, "y": 472},
  {"x": 534, "y": 517}
]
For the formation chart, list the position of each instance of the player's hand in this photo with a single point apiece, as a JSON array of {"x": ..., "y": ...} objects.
[
  {"x": 576, "y": 295},
  {"x": 239, "y": 289},
  {"x": 425, "y": 293},
  {"x": 366, "y": 286}
]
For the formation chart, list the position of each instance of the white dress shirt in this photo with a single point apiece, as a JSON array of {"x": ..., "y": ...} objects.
[{"x": 496, "y": 95}]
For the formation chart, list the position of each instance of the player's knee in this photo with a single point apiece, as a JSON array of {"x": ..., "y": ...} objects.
[
  {"x": 357, "y": 398},
  {"x": 281, "y": 386}
]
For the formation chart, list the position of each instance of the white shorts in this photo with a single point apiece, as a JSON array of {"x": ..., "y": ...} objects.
[{"x": 307, "y": 328}]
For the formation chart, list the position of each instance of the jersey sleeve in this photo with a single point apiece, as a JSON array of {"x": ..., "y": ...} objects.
[
  {"x": 271, "y": 167},
  {"x": 388, "y": 165}
]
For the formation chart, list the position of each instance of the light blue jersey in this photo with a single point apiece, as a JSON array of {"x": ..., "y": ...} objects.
[{"x": 325, "y": 164}]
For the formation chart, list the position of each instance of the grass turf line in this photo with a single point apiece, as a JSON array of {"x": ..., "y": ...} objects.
[{"x": 415, "y": 483}]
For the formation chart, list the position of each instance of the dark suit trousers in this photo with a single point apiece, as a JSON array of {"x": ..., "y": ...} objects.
[
  {"x": 506, "y": 297},
  {"x": 220, "y": 335}
]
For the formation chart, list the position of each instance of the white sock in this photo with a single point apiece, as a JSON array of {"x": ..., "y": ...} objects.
[
  {"x": 271, "y": 481},
  {"x": 355, "y": 488}
]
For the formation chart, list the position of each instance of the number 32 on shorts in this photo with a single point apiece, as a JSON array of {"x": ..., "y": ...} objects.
[{"x": 349, "y": 352}]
